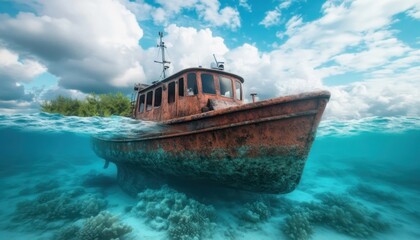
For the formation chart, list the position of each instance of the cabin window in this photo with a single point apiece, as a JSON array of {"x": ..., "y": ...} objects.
[
  {"x": 158, "y": 97},
  {"x": 141, "y": 103},
  {"x": 207, "y": 82},
  {"x": 149, "y": 99},
  {"x": 181, "y": 87},
  {"x": 192, "y": 88},
  {"x": 238, "y": 90},
  {"x": 225, "y": 87},
  {"x": 171, "y": 92}
]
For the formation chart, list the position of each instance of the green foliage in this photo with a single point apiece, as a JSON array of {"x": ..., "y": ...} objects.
[{"x": 103, "y": 105}]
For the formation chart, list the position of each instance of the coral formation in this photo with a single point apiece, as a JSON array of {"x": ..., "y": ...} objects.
[
  {"x": 58, "y": 205},
  {"x": 255, "y": 212},
  {"x": 67, "y": 233},
  {"x": 103, "y": 226},
  {"x": 338, "y": 212},
  {"x": 346, "y": 216},
  {"x": 169, "y": 210},
  {"x": 297, "y": 226}
]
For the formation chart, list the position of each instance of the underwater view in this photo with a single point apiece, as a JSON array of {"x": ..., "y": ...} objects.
[{"x": 361, "y": 181}]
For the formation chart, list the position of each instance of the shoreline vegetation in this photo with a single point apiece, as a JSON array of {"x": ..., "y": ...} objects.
[{"x": 103, "y": 105}]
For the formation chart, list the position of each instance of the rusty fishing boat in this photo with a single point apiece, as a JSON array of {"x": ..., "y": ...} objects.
[{"x": 212, "y": 135}]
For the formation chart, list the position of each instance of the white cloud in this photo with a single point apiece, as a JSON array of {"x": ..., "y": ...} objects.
[
  {"x": 271, "y": 18},
  {"x": 379, "y": 97},
  {"x": 54, "y": 91},
  {"x": 141, "y": 9},
  {"x": 380, "y": 48},
  {"x": 88, "y": 52},
  {"x": 14, "y": 72},
  {"x": 245, "y": 4},
  {"x": 209, "y": 11},
  {"x": 17, "y": 106},
  {"x": 415, "y": 11},
  {"x": 160, "y": 16},
  {"x": 348, "y": 38},
  {"x": 286, "y": 4},
  {"x": 185, "y": 44}
]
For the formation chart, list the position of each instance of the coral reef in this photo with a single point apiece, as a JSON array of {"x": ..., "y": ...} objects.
[
  {"x": 338, "y": 212},
  {"x": 297, "y": 226},
  {"x": 169, "y": 210},
  {"x": 103, "y": 226},
  {"x": 255, "y": 212},
  {"x": 58, "y": 205},
  {"x": 346, "y": 216},
  {"x": 67, "y": 233}
]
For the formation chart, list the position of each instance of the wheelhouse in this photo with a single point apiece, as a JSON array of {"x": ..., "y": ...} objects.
[{"x": 191, "y": 91}]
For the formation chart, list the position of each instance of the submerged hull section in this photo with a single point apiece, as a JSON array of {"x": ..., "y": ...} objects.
[{"x": 258, "y": 147}]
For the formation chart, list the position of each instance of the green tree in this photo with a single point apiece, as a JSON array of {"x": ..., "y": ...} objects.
[{"x": 93, "y": 105}]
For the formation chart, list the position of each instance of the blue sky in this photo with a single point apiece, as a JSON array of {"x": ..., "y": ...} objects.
[{"x": 365, "y": 52}]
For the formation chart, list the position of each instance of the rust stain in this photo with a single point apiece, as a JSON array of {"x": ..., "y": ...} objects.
[{"x": 261, "y": 146}]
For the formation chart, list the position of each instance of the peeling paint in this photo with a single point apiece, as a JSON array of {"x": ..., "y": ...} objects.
[{"x": 265, "y": 152}]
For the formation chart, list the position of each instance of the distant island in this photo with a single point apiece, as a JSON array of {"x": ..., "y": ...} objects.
[{"x": 103, "y": 105}]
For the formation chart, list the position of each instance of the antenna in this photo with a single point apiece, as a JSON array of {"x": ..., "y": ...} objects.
[
  {"x": 219, "y": 65},
  {"x": 163, "y": 62}
]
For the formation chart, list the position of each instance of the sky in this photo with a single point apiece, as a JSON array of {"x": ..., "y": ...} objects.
[{"x": 365, "y": 52}]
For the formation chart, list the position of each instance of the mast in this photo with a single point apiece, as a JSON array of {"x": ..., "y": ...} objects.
[{"x": 163, "y": 62}]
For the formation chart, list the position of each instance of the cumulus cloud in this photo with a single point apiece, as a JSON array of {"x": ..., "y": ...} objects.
[
  {"x": 88, "y": 52},
  {"x": 186, "y": 44},
  {"x": 14, "y": 72},
  {"x": 378, "y": 97},
  {"x": 348, "y": 38},
  {"x": 142, "y": 10},
  {"x": 168, "y": 12},
  {"x": 211, "y": 12}
]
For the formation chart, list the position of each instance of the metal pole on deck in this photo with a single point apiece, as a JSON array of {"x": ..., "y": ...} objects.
[{"x": 162, "y": 48}]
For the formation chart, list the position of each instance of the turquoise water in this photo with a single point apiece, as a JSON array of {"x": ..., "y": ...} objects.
[{"x": 361, "y": 181}]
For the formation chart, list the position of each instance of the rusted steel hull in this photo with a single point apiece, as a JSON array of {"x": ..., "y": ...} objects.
[{"x": 258, "y": 147}]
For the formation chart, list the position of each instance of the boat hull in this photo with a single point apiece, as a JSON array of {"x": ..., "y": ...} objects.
[{"x": 259, "y": 147}]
